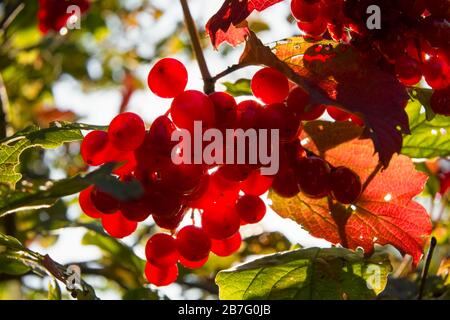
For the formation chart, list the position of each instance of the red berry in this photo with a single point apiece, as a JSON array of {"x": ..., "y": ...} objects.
[
  {"x": 313, "y": 175},
  {"x": 104, "y": 202},
  {"x": 437, "y": 72},
  {"x": 338, "y": 114},
  {"x": 408, "y": 70},
  {"x": 183, "y": 178},
  {"x": 126, "y": 131},
  {"x": 226, "y": 247},
  {"x": 163, "y": 202},
  {"x": 256, "y": 184},
  {"x": 167, "y": 78},
  {"x": 250, "y": 209},
  {"x": 192, "y": 264},
  {"x": 285, "y": 183},
  {"x": 297, "y": 100},
  {"x": 278, "y": 116},
  {"x": 312, "y": 112},
  {"x": 135, "y": 210},
  {"x": 192, "y": 106},
  {"x": 172, "y": 222},
  {"x": 117, "y": 226},
  {"x": 247, "y": 114},
  {"x": 270, "y": 85},
  {"x": 161, "y": 276},
  {"x": 86, "y": 203},
  {"x": 161, "y": 250},
  {"x": 193, "y": 243},
  {"x": 315, "y": 28},
  {"x": 305, "y": 10},
  {"x": 220, "y": 221},
  {"x": 440, "y": 103},
  {"x": 53, "y": 14},
  {"x": 357, "y": 120},
  {"x": 93, "y": 148},
  {"x": 345, "y": 185},
  {"x": 225, "y": 109}
]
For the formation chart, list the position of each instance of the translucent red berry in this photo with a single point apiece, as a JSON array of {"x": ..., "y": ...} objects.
[
  {"x": 313, "y": 29},
  {"x": 270, "y": 85},
  {"x": 437, "y": 72},
  {"x": 408, "y": 70},
  {"x": 117, "y": 226},
  {"x": 250, "y": 209},
  {"x": 126, "y": 131},
  {"x": 193, "y": 243},
  {"x": 313, "y": 175},
  {"x": 193, "y": 264},
  {"x": 167, "y": 78},
  {"x": 297, "y": 100},
  {"x": 93, "y": 148},
  {"x": 220, "y": 222},
  {"x": 170, "y": 222},
  {"x": 345, "y": 185},
  {"x": 305, "y": 10},
  {"x": 161, "y": 250},
  {"x": 103, "y": 201},
  {"x": 161, "y": 276},
  {"x": 256, "y": 184},
  {"x": 285, "y": 183},
  {"x": 86, "y": 204},
  {"x": 226, "y": 247},
  {"x": 225, "y": 109},
  {"x": 192, "y": 106}
]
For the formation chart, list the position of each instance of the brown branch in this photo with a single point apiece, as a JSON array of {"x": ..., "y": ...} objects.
[
  {"x": 371, "y": 176},
  {"x": 208, "y": 81}
]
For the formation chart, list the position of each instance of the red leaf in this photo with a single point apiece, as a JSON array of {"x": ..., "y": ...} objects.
[
  {"x": 384, "y": 214},
  {"x": 357, "y": 85},
  {"x": 228, "y": 24}
]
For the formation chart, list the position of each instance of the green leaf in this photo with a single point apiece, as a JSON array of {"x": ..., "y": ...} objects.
[
  {"x": 54, "y": 291},
  {"x": 240, "y": 88},
  {"x": 314, "y": 273},
  {"x": 116, "y": 250},
  {"x": 10, "y": 265},
  {"x": 428, "y": 139},
  {"x": 10, "y": 242},
  {"x": 44, "y": 196},
  {"x": 49, "y": 138}
]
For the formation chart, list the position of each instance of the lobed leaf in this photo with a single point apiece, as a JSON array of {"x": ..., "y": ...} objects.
[{"x": 384, "y": 214}]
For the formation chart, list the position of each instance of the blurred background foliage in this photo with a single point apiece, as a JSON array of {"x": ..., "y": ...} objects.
[{"x": 109, "y": 52}]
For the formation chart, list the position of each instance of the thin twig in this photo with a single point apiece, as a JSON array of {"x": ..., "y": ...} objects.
[
  {"x": 423, "y": 278},
  {"x": 198, "y": 51},
  {"x": 227, "y": 71},
  {"x": 371, "y": 176}
]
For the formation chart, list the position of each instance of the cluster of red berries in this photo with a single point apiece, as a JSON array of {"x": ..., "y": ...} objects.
[
  {"x": 220, "y": 197},
  {"x": 412, "y": 42},
  {"x": 53, "y": 15}
]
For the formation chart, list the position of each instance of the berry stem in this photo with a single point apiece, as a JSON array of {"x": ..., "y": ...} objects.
[
  {"x": 371, "y": 176},
  {"x": 426, "y": 267},
  {"x": 228, "y": 70},
  {"x": 198, "y": 51}
]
